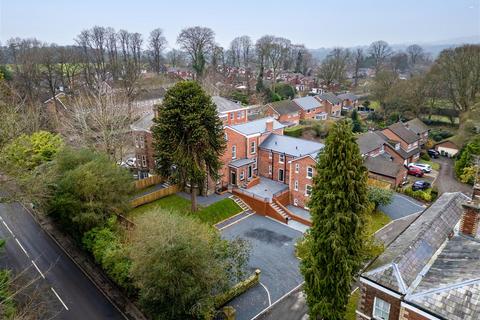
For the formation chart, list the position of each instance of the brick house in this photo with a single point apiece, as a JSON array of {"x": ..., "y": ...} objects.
[
  {"x": 430, "y": 271},
  {"x": 419, "y": 128},
  {"x": 142, "y": 141},
  {"x": 380, "y": 163},
  {"x": 349, "y": 101},
  {"x": 311, "y": 108},
  {"x": 402, "y": 142},
  {"x": 230, "y": 112},
  {"x": 333, "y": 105},
  {"x": 285, "y": 111}
]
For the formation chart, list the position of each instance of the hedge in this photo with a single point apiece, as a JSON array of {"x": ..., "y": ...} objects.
[
  {"x": 294, "y": 132},
  {"x": 428, "y": 195},
  {"x": 237, "y": 289}
]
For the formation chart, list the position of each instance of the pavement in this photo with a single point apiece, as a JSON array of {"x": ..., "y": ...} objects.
[
  {"x": 28, "y": 248},
  {"x": 273, "y": 252},
  {"x": 402, "y": 206},
  {"x": 446, "y": 181},
  {"x": 205, "y": 200}
]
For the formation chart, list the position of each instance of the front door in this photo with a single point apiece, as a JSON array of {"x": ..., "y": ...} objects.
[
  {"x": 234, "y": 178},
  {"x": 249, "y": 171},
  {"x": 280, "y": 175}
]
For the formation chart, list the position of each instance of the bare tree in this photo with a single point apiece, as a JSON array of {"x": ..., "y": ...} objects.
[
  {"x": 112, "y": 51},
  {"x": 198, "y": 42},
  {"x": 358, "y": 59},
  {"x": 334, "y": 67},
  {"x": 399, "y": 62},
  {"x": 380, "y": 51},
  {"x": 100, "y": 121},
  {"x": 176, "y": 58},
  {"x": 278, "y": 52},
  {"x": 263, "y": 46},
  {"x": 157, "y": 43},
  {"x": 415, "y": 55}
]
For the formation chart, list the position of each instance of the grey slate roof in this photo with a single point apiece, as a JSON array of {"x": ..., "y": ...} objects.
[
  {"x": 400, "y": 264},
  {"x": 257, "y": 126},
  {"x": 369, "y": 141},
  {"x": 403, "y": 132},
  {"x": 144, "y": 123},
  {"x": 307, "y": 103},
  {"x": 284, "y": 107},
  {"x": 383, "y": 166},
  {"x": 417, "y": 126},
  {"x": 404, "y": 154},
  {"x": 347, "y": 96},
  {"x": 241, "y": 162},
  {"x": 293, "y": 146},
  {"x": 330, "y": 97},
  {"x": 224, "y": 105}
]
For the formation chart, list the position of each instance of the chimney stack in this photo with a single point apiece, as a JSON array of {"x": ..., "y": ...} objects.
[
  {"x": 471, "y": 214},
  {"x": 269, "y": 125}
]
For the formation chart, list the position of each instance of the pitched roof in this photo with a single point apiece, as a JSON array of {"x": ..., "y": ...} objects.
[
  {"x": 224, "y": 105},
  {"x": 369, "y": 141},
  {"x": 144, "y": 123},
  {"x": 290, "y": 145},
  {"x": 330, "y": 97},
  {"x": 347, "y": 96},
  {"x": 284, "y": 107},
  {"x": 417, "y": 126},
  {"x": 403, "y": 132},
  {"x": 399, "y": 266},
  {"x": 307, "y": 103},
  {"x": 382, "y": 165},
  {"x": 257, "y": 126}
]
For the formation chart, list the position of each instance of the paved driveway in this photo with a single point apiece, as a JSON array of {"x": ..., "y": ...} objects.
[
  {"x": 402, "y": 206},
  {"x": 272, "y": 253},
  {"x": 446, "y": 181}
]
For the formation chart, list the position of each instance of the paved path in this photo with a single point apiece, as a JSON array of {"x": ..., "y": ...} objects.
[
  {"x": 446, "y": 181},
  {"x": 402, "y": 206},
  {"x": 29, "y": 248}
]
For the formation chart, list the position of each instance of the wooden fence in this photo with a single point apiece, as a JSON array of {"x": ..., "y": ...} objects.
[
  {"x": 155, "y": 195},
  {"x": 147, "y": 182}
]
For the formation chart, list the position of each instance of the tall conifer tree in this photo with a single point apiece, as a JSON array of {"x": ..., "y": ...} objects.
[{"x": 338, "y": 206}]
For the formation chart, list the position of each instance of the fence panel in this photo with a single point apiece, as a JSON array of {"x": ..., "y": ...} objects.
[
  {"x": 154, "y": 196},
  {"x": 147, "y": 182}
]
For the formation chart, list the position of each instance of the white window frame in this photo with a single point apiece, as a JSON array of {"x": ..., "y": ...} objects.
[
  {"x": 232, "y": 115},
  {"x": 144, "y": 161},
  {"x": 137, "y": 145},
  {"x": 226, "y": 136},
  {"x": 307, "y": 186},
  {"x": 384, "y": 309},
  {"x": 269, "y": 156},
  {"x": 142, "y": 142},
  {"x": 269, "y": 169},
  {"x": 239, "y": 114},
  {"x": 281, "y": 158},
  {"x": 295, "y": 202},
  {"x": 309, "y": 176},
  {"x": 297, "y": 167},
  {"x": 234, "y": 151},
  {"x": 242, "y": 175},
  {"x": 283, "y": 175},
  {"x": 253, "y": 145},
  {"x": 254, "y": 163},
  {"x": 295, "y": 185}
]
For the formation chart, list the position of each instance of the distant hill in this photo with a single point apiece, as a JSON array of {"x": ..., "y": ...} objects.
[{"x": 433, "y": 47}]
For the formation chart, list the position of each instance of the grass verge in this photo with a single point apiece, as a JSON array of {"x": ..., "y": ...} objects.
[{"x": 377, "y": 220}]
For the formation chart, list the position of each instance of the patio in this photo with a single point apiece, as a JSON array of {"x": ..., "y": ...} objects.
[
  {"x": 302, "y": 213},
  {"x": 266, "y": 188}
]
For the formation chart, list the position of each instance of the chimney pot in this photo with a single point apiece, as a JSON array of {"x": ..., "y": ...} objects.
[
  {"x": 470, "y": 219},
  {"x": 269, "y": 125}
]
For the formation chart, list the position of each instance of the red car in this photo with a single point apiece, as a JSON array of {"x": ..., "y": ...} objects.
[{"x": 414, "y": 171}]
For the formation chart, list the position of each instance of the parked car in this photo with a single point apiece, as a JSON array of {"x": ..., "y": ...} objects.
[
  {"x": 420, "y": 185},
  {"x": 131, "y": 162},
  {"x": 424, "y": 167},
  {"x": 433, "y": 153},
  {"x": 414, "y": 171}
]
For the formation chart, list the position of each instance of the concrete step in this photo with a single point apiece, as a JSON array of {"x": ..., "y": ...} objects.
[{"x": 240, "y": 203}]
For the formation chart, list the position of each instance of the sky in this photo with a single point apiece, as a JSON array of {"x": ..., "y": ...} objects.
[{"x": 315, "y": 23}]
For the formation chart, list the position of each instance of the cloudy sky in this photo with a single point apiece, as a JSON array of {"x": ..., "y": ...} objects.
[{"x": 315, "y": 23}]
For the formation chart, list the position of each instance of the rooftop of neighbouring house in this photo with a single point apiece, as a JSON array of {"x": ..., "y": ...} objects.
[
  {"x": 403, "y": 132},
  {"x": 417, "y": 126},
  {"x": 292, "y": 146},
  {"x": 330, "y": 97},
  {"x": 257, "y": 126},
  {"x": 308, "y": 103},
  {"x": 369, "y": 141},
  {"x": 284, "y": 107},
  {"x": 433, "y": 263},
  {"x": 225, "y": 105},
  {"x": 347, "y": 96},
  {"x": 144, "y": 123},
  {"x": 383, "y": 165}
]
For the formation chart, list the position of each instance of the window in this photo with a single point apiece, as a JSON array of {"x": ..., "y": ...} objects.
[
  {"x": 397, "y": 146},
  {"x": 297, "y": 167},
  {"x": 309, "y": 172},
  {"x": 234, "y": 151},
  {"x": 242, "y": 175},
  {"x": 142, "y": 142},
  {"x": 232, "y": 115},
  {"x": 239, "y": 114},
  {"x": 269, "y": 156},
  {"x": 381, "y": 309},
  {"x": 281, "y": 158},
  {"x": 295, "y": 185},
  {"x": 226, "y": 137},
  {"x": 252, "y": 147},
  {"x": 295, "y": 202},
  {"x": 269, "y": 169},
  {"x": 136, "y": 141},
  {"x": 254, "y": 163},
  {"x": 308, "y": 189},
  {"x": 280, "y": 175},
  {"x": 144, "y": 161}
]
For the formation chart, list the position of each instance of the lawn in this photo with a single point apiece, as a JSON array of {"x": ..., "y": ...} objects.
[
  {"x": 376, "y": 221},
  {"x": 435, "y": 166},
  {"x": 352, "y": 306},
  {"x": 211, "y": 215}
]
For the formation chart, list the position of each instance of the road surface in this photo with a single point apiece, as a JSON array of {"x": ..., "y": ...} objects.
[{"x": 29, "y": 248}]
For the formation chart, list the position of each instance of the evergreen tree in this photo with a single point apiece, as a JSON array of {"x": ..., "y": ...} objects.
[
  {"x": 338, "y": 206},
  {"x": 356, "y": 123},
  {"x": 188, "y": 137}
]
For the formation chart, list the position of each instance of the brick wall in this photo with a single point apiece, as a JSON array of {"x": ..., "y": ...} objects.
[
  {"x": 301, "y": 177},
  {"x": 233, "y": 117},
  {"x": 392, "y": 136},
  {"x": 367, "y": 295},
  {"x": 268, "y": 159},
  {"x": 143, "y": 143},
  {"x": 396, "y": 157},
  {"x": 407, "y": 314}
]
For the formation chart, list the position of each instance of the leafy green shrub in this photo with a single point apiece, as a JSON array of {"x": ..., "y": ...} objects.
[
  {"x": 465, "y": 161},
  {"x": 425, "y": 195},
  {"x": 296, "y": 131},
  {"x": 379, "y": 196},
  {"x": 424, "y": 156},
  {"x": 439, "y": 135},
  {"x": 237, "y": 289}
]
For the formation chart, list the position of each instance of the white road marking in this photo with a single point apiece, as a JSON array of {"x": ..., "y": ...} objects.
[
  {"x": 38, "y": 269},
  {"x": 8, "y": 228},
  {"x": 24, "y": 251},
  {"x": 237, "y": 221},
  {"x": 268, "y": 294},
  {"x": 58, "y": 297}
]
